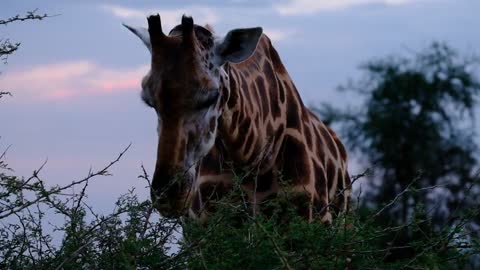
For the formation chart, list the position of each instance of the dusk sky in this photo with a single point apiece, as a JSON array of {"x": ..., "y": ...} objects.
[{"x": 76, "y": 77}]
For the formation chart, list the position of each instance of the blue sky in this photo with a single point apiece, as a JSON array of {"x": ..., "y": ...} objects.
[{"x": 76, "y": 78}]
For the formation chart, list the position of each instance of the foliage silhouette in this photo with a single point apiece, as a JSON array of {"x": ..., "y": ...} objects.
[{"x": 417, "y": 122}]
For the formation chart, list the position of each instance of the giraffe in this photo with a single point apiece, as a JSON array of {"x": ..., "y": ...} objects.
[{"x": 226, "y": 102}]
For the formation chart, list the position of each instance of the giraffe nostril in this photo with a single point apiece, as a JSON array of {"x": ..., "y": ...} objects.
[
  {"x": 156, "y": 196},
  {"x": 168, "y": 207}
]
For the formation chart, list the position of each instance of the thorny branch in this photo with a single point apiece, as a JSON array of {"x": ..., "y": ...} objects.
[
  {"x": 4, "y": 93},
  {"x": 398, "y": 196},
  {"x": 6, "y": 46},
  {"x": 31, "y": 15},
  {"x": 27, "y": 242},
  {"x": 39, "y": 189}
]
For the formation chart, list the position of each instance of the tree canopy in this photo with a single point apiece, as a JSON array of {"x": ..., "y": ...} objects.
[{"x": 416, "y": 126}]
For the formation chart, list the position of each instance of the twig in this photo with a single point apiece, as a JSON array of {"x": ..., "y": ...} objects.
[
  {"x": 4, "y": 93},
  {"x": 399, "y": 195},
  {"x": 29, "y": 16},
  {"x": 56, "y": 190}
]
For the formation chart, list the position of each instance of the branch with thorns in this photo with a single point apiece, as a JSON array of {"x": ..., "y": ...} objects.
[{"x": 31, "y": 15}]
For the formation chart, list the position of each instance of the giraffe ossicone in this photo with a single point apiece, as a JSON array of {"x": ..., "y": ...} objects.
[{"x": 223, "y": 102}]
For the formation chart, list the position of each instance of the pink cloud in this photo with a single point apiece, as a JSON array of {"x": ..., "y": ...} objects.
[{"x": 70, "y": 79}]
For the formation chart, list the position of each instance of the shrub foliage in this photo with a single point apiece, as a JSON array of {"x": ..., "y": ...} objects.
[{"x": 134, "y": 236}]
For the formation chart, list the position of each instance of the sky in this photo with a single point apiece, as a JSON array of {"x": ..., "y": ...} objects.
[{"x": 76, "y": 77}]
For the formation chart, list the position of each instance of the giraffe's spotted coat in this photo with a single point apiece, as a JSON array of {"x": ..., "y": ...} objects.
[{"x": 256, "y": 120}]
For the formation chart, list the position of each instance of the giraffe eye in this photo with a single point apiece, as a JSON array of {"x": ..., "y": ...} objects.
[{"x": 209, "y": 100}]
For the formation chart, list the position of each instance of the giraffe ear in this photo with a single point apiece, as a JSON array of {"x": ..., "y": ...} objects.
[
  {"x": 142, "y": 33},
  {"x": 238, "y": 45}
]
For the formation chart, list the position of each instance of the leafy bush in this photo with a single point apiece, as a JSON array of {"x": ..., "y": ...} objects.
[
  {"x": 234, "y": 238},
  {"x": 134, "y": 236}
]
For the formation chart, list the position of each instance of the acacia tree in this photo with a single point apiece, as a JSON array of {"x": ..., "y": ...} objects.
[{"x": 416, "y": 125}]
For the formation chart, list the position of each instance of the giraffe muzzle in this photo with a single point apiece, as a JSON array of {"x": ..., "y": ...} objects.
[{"x": 168, "y": 207}]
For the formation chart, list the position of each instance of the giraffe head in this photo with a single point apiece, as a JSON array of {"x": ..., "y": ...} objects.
[{"x": 185, "y": 86}]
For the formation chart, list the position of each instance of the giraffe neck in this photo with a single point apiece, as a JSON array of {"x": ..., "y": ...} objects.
[
  {"x": 253, "y": 119},
  {"x": 265, "y": 128}
]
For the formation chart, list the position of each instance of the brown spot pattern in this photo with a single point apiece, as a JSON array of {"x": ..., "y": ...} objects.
[
  {"x": 263, "y": 96},
  {"x": 296, "y": 167},
  {"x": 293, "y": 118},
  {"x": 264, "y": 104}
]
